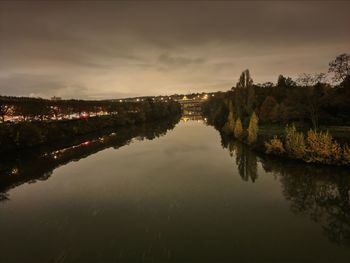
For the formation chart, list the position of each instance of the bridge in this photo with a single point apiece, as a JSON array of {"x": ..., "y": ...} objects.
[{"x": 192, "y": 106}]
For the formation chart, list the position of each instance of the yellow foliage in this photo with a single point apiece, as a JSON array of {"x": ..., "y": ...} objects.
[
  {"x": 238, "y": 129},
  {"x": 318, "y": 147},
  {"x": 275, "y": 146},
  {"x": 253, "y": 128},
  {"x": 294, "y": 142},
  {"x": 346, "y": 154},
  {"x": 321, "y": 148},
  {"x": 230, "y": 124}
]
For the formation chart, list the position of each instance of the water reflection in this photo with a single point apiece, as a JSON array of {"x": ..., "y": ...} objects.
[
  {"x": 320, "y": 192},
  {"x": 29, "y": 166},
  {"x": 193, "y": 117},
  {"x": 246, "y": 160},
  {"x": 178, "y": 199}
]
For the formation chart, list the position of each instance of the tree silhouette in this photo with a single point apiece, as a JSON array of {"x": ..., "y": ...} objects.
[{"x": 340, "y": 67}]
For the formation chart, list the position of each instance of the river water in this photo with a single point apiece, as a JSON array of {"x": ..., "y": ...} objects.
[{"x": 161, "y": 193}]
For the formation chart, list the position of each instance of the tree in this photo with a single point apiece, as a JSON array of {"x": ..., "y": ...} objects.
[
  {"x": 281, "y": 81},
  {"x": 340, "y": 67},
  {"x": 266, "y": 108},
  {"x": 25, "y": 109},
  {"x": 279, "y": 92},
  {"x": 245, "y": 92},
  {"x": 308, "y": 80},
  {"x": 4, "y": 110},
  {"x": 253, "y": 129},
  {"x": 290, "y": 83},
  {"x": 230, "y": 124},
  {"x": 245, "y": 80},
  {"x": 251, "y": 99},
  {"x": 40, "y": 109},
  {"x": 238, "y": 128},
  {"x": 266, "y": 85},
  {"x": 276, "y": 113},
  {"x": 313, "y": 93},
  {"x": 346, "y": 83}
]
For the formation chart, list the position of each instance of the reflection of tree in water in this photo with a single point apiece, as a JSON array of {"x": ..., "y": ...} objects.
[
  {"x": 33, "y": 165},
  {"x": 247, "y": 162},
  {"x": 320, "y": 192},
  {"x": 246, "y": 159}
]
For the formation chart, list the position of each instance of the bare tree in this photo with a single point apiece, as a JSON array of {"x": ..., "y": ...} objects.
[
  {"x": 308, "y": 80},
  {"x": 314, "y": 93},
  {"x": 340, "y": 67}
]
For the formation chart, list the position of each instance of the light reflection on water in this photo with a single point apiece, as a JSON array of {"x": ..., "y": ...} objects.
[{"x": 161, "y": 194}]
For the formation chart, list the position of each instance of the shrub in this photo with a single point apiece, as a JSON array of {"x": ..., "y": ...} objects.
[
  {"x": 295, "y": 143},
  {"x": 321, "y": 148},
  {"x": 274, "y": 146},
  {"x": 238, "y": 129},
  {"x": 346, "y": 154},
  {"x": 253, "y": 129}
]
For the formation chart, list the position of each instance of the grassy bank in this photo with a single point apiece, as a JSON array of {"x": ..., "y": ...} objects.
[
  {"x": 306, "y": 145},
  {"x": 340, "y": 133}
]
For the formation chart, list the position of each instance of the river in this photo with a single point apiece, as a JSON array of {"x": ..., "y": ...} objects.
[{"x": 171, "y": 192}]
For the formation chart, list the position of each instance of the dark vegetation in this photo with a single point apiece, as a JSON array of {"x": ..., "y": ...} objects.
[
  {"x": 312, "y": 107},
  {"x": 45, "y": 121}
]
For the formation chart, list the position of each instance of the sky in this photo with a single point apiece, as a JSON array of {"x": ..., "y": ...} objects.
[{"x": 107, "y": 50}]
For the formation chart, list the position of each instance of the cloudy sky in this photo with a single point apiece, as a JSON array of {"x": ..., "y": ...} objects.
[{"x": 112, "y": 49}]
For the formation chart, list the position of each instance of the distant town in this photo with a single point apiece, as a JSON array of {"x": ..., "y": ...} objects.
[{"x": 17, "y": 109}]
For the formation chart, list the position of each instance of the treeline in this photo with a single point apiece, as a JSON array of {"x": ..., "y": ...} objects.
[
  {"x": 35, "y": 109},
  {"x": 26, "y": 134},
  {"x": 309, "y": 102}
]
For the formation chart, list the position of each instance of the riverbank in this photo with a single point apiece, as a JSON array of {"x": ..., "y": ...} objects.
[
  {"x": 323, "y": 142},
  {"x": 23, "y": 135},
  {"x": 305, "y": 146},
  {"x": 326, "y": 146}
]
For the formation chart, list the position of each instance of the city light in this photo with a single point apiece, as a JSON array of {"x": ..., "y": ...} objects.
[
  {"x": 84, "y": 115},
  {"x": 14, "y": 171}
]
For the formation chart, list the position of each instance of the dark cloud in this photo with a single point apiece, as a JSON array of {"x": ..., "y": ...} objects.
[
  {"x": 178, "y": 61},
  {"x": 144, "y": 48}
]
